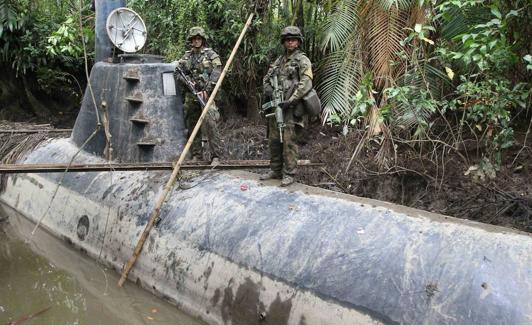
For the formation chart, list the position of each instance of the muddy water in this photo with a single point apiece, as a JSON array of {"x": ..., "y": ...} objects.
[{"x": 44, "y": 273}]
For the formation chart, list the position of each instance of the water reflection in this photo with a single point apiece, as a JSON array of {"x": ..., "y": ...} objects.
[{"x": 44, "y": 273}]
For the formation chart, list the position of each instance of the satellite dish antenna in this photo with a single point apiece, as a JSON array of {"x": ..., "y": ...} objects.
[{"x": 126, "y": 30}]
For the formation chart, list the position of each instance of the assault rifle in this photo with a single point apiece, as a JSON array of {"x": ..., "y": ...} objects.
[
  {"x": 277, "y": 113},
  {"x": 191, "y": 85}
]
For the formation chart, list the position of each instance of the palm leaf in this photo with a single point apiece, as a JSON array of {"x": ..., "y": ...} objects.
[
  {"x": 339, "y": 80},
  {"x": 338, "y": 28},
  {"x": 395, "y": 4},
  {"x": 461, "y": 20},
  {"x": 386, "y": 31}
]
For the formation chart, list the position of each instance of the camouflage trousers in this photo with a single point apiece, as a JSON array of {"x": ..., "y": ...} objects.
[
  {"x": 283, "y": 156},
  {"x": 209, "y": 127}
]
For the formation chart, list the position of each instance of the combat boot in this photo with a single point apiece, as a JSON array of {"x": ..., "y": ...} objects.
[
  {"x": 287, "y": 180},
  {"x": 271, "y": 175}
]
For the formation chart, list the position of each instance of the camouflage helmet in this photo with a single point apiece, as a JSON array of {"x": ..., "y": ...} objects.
[
  {"x": 291, "y": 32},
  {"x": 197, "y": 31}
]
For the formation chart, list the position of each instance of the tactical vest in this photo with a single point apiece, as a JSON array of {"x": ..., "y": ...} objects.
[
  {"x": 288, "y": 70},
  {"x": 200, "y": 66}
]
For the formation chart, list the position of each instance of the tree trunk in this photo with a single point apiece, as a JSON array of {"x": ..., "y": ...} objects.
[{"x": 253, "y": 112}]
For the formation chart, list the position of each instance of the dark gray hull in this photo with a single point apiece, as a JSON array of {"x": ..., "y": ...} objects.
[{"x": 234, "y": 254}]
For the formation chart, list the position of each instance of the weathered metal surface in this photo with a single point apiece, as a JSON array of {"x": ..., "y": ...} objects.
[
  {"x": 234, "y": 250},
  {"x": 164, "y": 113},
  {"x": 103, "y": 46}
]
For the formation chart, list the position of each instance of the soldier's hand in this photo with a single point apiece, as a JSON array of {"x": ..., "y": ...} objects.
[{"x": 286, "y": 104}]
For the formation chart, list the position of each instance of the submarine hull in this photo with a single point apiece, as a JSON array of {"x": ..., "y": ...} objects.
[{"x": 230, "y": 249}]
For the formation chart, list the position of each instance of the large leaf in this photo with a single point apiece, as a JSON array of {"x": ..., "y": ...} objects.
[
  {"x": 338, "y": 28},
  {"x": 386, "y": 31},
  {"x": 339, "y": 80}
]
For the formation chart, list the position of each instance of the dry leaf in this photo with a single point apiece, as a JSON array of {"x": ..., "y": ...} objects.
[
  {"x": 450, "y": 72},
  {"x": 431, "y": 42}
]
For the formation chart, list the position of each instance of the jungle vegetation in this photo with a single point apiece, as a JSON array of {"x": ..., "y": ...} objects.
[{"x": 428, "y": 74}]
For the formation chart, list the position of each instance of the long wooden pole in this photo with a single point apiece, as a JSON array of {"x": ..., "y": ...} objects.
[
  {"x": 157, "y": 210},
  {"x": 75, "y": 168}
]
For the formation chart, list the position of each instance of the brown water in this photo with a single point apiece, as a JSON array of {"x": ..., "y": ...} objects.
[{"x": 42, "y": 272}]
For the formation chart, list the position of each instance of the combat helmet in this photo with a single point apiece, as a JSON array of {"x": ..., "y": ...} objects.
[
  {"x": 291, "y": 32},
  {"x": 197, "y": 31}
]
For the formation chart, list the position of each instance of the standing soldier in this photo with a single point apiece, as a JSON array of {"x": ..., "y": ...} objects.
[
  {"x": 290, "y": 76},
  {"x": 203, "y": 66}
]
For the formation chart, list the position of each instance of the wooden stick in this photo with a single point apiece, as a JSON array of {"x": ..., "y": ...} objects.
[
  {"x": 60, "y": 168},
  {"x": 28, "y": 317},
  {"x": 157, "y": 210}
]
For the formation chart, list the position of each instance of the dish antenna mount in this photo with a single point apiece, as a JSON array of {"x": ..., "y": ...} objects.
[{"x": 126, "y": 30}]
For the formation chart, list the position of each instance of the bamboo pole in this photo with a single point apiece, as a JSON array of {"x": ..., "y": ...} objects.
[{"x": 157, "y": 210}]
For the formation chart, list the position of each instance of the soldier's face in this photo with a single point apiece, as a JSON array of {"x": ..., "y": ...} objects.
[
  {"x": 196, "y": 41},
  {"x": 291, "y": 44}
]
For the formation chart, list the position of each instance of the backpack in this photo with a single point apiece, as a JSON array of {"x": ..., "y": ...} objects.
[{"x": 312, "y": 103}]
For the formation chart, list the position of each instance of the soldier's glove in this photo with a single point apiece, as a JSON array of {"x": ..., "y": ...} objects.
[{"x": 286, "y": 104}]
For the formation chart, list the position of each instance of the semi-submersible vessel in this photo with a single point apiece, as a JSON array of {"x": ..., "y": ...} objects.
[{"x": 258, "y": 254}]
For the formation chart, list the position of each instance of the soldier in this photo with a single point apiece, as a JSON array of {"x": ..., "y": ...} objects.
[
  {"x": 204, "y": 67},
  {"x": 294, "y": 76}
]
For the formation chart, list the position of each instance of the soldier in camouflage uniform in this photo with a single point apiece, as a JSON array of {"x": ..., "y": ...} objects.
[
  {"x": 204, "y": 67},
  {"x": 294, "y": 74}
]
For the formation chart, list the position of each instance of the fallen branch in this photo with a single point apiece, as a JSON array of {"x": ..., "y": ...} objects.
[{"x": 28, "y": 317}]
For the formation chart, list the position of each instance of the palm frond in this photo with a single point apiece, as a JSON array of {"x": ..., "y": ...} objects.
[
  {"x": 386, "y": 31},
  {"x": 396, "y": 4},
  {"x": 339, "y": 26},
  {"x": 460, "y": 20},
  {"x": 339, "y": 80}
]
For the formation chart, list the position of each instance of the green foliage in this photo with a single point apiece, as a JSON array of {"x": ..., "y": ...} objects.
[
  {"x": 362, "y": 37},
  {"x": 415, "y": 97},
  {"x": 482, "y": 56},
  {"x": 361, "y": 103},
  {"x": 43, "y": 38},
  {"x": 168, "y": 23},
  {"x": 416, "y": 107},
  {"x": 487, "y": 106},
  {"x": 454, "y": 68},
  {"x": 64, "y": 40},
  {"x": 10, "y": 19},
  {"x": 482, "y": 47}
]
